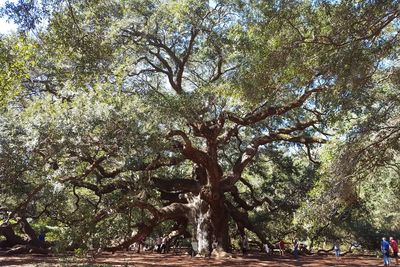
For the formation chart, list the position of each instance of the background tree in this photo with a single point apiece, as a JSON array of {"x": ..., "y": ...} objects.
[{"x": 364, "y": 163}]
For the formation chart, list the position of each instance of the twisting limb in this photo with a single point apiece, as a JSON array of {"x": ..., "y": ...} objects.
[
  {"x": 309, "y": 154},
  {"x": 243, "y": 219},
  {"x": 174, "y": 185},
  {"x": 171, "y": 212},
  {"x": 196, "y": 155},
  {"x": 256, "y": 201},
  {"x": 259, "y": 115},
  {"x": 77, "y": 198},
  {"x": 22, "y": 207},
  {"x": 282, "y": 134},
  {"x": 169, "y": 63},
  {"x": 122, "y": 205}
]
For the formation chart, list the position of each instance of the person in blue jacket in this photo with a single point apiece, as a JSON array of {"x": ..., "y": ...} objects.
[{"x": 385, "y": 251}]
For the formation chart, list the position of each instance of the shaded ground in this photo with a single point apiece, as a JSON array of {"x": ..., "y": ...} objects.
[{"x": 149, "y": 259}]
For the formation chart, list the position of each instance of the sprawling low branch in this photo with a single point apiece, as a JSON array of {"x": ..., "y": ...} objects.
[
  {"x": 124, "y": 204},
  {"x": 171, "y": 212},
  {"x": 12, "y": 239},
  {"x": 103, "y": 189},
  {"x": 96, "y": 168}
]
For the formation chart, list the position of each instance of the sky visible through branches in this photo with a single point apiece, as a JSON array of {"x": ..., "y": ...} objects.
[{"x": 6, "y": 26}]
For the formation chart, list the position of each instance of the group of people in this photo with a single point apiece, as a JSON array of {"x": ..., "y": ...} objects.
[
  {"x": 281, "y": 246},
  {"x": 161, "y": 244},
  {"x": 386, "y": 247}
]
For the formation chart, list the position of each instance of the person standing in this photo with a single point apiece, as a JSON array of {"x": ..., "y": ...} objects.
[
  {"x": 395, "y": 248},
  {"x": 266, "y": 248},
  {"x": 141, "y": 243},
  {"x": 42, "y": 236},
  {"x": 337, "y": 248},
  {"x": 42, "y": 239},
  {"x": 385, "y": 251},
  {"x": 281, "y": 245},
  {"x": 158, "y": 244},
  {"x": 296, "y": 249},
  {"x": 164, "y": 245},
  {"x": 244, "y": 244}
]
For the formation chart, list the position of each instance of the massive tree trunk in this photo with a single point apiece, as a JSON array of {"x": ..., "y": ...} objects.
[
  {"x": 203, "y": 227},
  {"x": 213, "y": 219},
  {"x": 220, "y": 221}
]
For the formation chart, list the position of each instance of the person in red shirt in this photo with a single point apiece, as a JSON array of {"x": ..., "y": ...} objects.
[
  {"x": 395, "y": 249},
  {"x": 281, "y": 245}
]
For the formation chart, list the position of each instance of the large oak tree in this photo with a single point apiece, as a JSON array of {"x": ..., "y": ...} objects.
[{"x": 163, "y": 106}]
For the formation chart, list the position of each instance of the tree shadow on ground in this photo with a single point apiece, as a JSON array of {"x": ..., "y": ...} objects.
[{"x": 154, "y": 259}]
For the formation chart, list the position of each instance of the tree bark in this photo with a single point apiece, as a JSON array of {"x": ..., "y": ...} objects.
[
  {"x": 220, "y": 222},
  {"x": 217, "y": 218},
  {"x": 203, "y": 222}
]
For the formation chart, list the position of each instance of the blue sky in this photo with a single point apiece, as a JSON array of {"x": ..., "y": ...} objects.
[{"x": 6, "y": 26}]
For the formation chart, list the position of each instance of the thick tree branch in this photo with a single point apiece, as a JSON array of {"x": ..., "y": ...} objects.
[
  {"x": 94, "y": 164},
  {"x": 175, "y": 197},
  {"x": 8, "y": 232},
  {"x": 259, "y": 115},
  {"x": 187, "y": 54},
  {"x": 103, "y": 189},
  {"x": 21, "y": 209},
  {"x": 256, "y": 201},
  {"x": 176, "y": 185},
  {"x": 283, "y": 134},
  {"x": 242, "y": 218},
  {"x": 194, "y": 154},
  {"x": 124, "y": 204},
  {"x": 170, "y": 212}
]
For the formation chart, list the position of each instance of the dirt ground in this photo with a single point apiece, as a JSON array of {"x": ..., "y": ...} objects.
[{"x": 153, "y": 259}]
